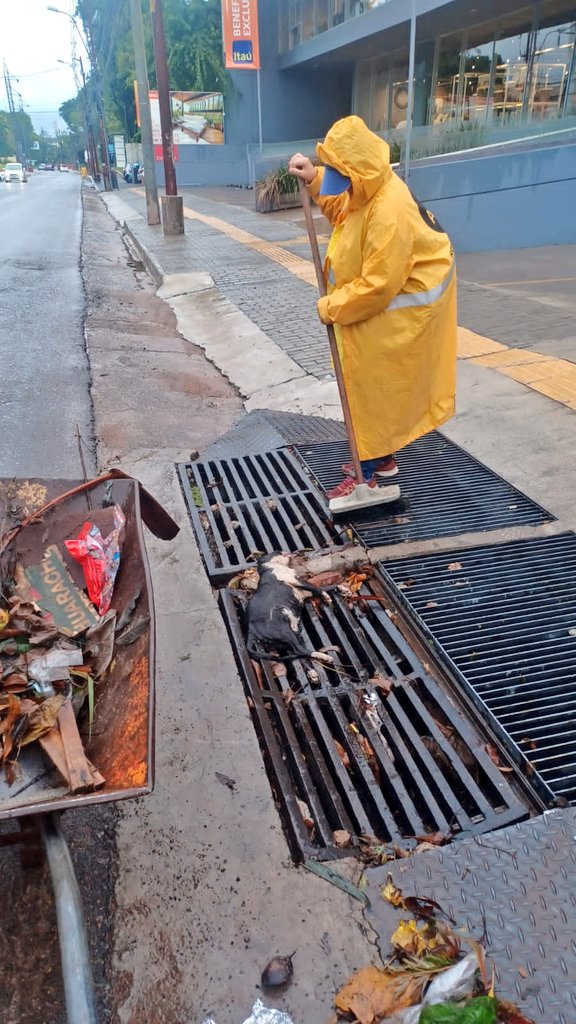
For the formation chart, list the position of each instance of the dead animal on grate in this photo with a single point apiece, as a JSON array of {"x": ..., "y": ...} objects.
[{"x": 274, "y": 614}]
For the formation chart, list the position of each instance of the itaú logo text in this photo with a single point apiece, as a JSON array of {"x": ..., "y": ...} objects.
[{"x": 242, "y": 52}]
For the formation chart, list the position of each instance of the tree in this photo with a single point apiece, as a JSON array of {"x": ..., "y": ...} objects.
[
  {"x": 6, "y": 138},
  {"x": 194, "y": 43}
]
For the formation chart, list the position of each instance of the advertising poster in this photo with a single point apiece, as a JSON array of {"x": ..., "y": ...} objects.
[
  {"x": 197, "y": 120},
  {"x": 240, "y": 33}
]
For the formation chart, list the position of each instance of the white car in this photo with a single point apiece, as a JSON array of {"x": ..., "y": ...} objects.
[{"x": 15, "y": 172}]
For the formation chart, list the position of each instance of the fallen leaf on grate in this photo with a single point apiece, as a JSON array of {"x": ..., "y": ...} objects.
[
  {"x": 435, "y": 838},
  {"x": 407, "y": 584},
  {"x": 494, "y": 756},
  {"x": 287, "y": 697},
  {"x": 305, "y": 812},
  {"x": 342, "y": 754},
  {"x": 454, "y": 566},
  {"x": 330, "y": 578},
  {"x": 382, "y": 683},
  {"x": 272, "y": 505},
  {"x": 371, "y": 994},
  {"x": 425, "y": 908},
  {"x": 432, "y": 604}
]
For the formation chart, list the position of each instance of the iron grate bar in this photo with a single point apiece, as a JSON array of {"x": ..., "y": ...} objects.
[
  {"x": 390, "y": 765},
  {"x": 510, "y": 635},
  {"x": 244, "y": 507},
  {"x": 445, "y": 491}
]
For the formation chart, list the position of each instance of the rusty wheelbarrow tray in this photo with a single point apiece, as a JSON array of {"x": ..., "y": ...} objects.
[{"x": 122, "y": 741}]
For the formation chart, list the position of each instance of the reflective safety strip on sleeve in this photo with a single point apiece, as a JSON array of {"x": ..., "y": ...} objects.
[{"x": 406, "y": 299}]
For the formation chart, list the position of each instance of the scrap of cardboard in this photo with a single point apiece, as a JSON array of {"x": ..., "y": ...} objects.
[{"x": 51, "y": 587}]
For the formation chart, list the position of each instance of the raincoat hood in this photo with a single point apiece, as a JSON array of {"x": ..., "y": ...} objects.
[{"x": 358, "y": 153}]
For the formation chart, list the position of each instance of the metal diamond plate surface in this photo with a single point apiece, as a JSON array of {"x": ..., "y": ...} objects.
[
  {"x": 265, "y": 429},
  {"x": 520, "y": 883}
]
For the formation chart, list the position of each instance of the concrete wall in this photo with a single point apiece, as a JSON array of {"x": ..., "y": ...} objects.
[{"x": 513, "y": 201}]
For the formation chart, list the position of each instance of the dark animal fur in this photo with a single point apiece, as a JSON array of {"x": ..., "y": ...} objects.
[{"x": 274, "y": 614}]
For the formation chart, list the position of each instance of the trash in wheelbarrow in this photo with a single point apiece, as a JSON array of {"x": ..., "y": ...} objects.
[{"x": 76, "y": 686}]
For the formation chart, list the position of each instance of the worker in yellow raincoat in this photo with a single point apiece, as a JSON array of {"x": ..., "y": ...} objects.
[{"x": 391, "y": 296}]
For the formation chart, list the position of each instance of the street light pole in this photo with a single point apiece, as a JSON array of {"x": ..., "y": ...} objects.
[
  {"x": 90, "y": 50},
  {"x": 150, "y": 187},
  {"x": 172, "y": 207}
]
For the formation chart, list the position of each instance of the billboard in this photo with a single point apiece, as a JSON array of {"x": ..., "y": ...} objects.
[
  {"x": 240, "y": 32},
  {"x": 197, "y": 120}
]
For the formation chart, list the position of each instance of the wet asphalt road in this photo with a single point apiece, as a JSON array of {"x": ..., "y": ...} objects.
[{"x": 44, "y": 377}]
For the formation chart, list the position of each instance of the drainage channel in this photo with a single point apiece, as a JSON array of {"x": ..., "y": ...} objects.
[
  {"x": 503, "y": 617},
  {"x": 375, "y": 747},
  {"x": 445, "y": 492},
  {"x": 249, "y": 506}
]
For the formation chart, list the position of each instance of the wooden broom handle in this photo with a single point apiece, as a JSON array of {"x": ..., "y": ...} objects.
[{"x": 331, "y": 334}]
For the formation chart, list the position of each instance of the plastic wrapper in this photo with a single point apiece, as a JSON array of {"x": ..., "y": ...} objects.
[
  {"x": 455, "y": 983},
  {"x": 99, "y": 557},
  {"x": 262, "y": 1015}
]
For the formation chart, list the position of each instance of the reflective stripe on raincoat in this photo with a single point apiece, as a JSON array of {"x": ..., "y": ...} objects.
[{"x": 392, "y": 295}]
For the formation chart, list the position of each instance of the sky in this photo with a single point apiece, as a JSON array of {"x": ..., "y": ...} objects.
[{"x": 32, "y": 40}]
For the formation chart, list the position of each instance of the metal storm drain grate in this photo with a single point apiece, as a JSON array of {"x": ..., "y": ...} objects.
[
  {"x": 445, "y": 492},
  {"x": 374, "y": 749},
  {"x": 246, "y": 506},
  {"x": 505, "y": 617}
]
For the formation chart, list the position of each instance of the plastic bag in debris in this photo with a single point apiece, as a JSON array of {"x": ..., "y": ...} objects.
[
  {"x": 454, "y": 984},
  {"x": 262, "y": 1015},
  {"x": 99, "y": 557}
]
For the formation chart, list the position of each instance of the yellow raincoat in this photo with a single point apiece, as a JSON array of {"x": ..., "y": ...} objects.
[{"x": 392, "y": 295}]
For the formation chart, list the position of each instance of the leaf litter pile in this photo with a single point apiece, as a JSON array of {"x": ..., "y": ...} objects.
[
  {"x": 428, "y": 979},
  {"x": 57, "y": 645}
]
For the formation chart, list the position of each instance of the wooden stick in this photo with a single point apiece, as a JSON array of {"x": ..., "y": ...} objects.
[
  {"x": 331, "y": 335},
  {"x": 78, "y": 769}
]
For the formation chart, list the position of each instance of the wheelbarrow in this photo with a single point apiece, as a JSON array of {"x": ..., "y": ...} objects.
[{"x": 47, "y": 512}]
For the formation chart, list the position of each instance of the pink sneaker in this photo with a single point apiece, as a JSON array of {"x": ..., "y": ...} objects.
[
  {"x": 387, "y": 468},
  {"x": 347, "y": 486}
]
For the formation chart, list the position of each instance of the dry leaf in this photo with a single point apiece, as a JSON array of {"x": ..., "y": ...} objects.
[
  {"x": 305, "y": 812},
  {"x": 342, "y": 838},
  {"x": 371, "y": 994},
  {"x": 4, "y": 618},
  {"x": 522, "y": 972},
  {"x": 382, "y": 683},
  {"x": 407, "y": 584},
  {"x": 330, "y": 578},
  {"x": 432, "y": 604},
  {"x": 272, "y": 505},
  {"x": 391, "y": 893},
  {"x": 342, "y": 754},
  {"x": 454, "y": 566},
  {"x": 494, "y": 756},
  {"x": 43, "y": 718},
  {"x": 288, "y": 697},
  {"x": 400, "y": 852},
  {"x": 414, "y": 940},
  {"x": 434, "y": 838}
]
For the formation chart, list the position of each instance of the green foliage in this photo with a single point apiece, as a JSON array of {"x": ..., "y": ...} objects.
[
  {"x": 194, "y": 47},
  {"x": 6, "y": 139}
]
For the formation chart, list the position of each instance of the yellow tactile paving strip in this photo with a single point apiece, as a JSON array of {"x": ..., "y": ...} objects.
[{"x": 555, "y": 378}]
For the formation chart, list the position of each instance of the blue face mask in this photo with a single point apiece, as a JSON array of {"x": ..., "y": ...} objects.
[{"x": 333, "y": 183}]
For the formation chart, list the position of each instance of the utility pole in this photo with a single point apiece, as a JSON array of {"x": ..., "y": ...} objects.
[
  {"x": 172, "y": 206},
  {"x": 150, "y": 187},
  {"x": 13, "y": 114},
  {"x": 99, "y": 106},
  {"x": 90, "y": 140}
]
